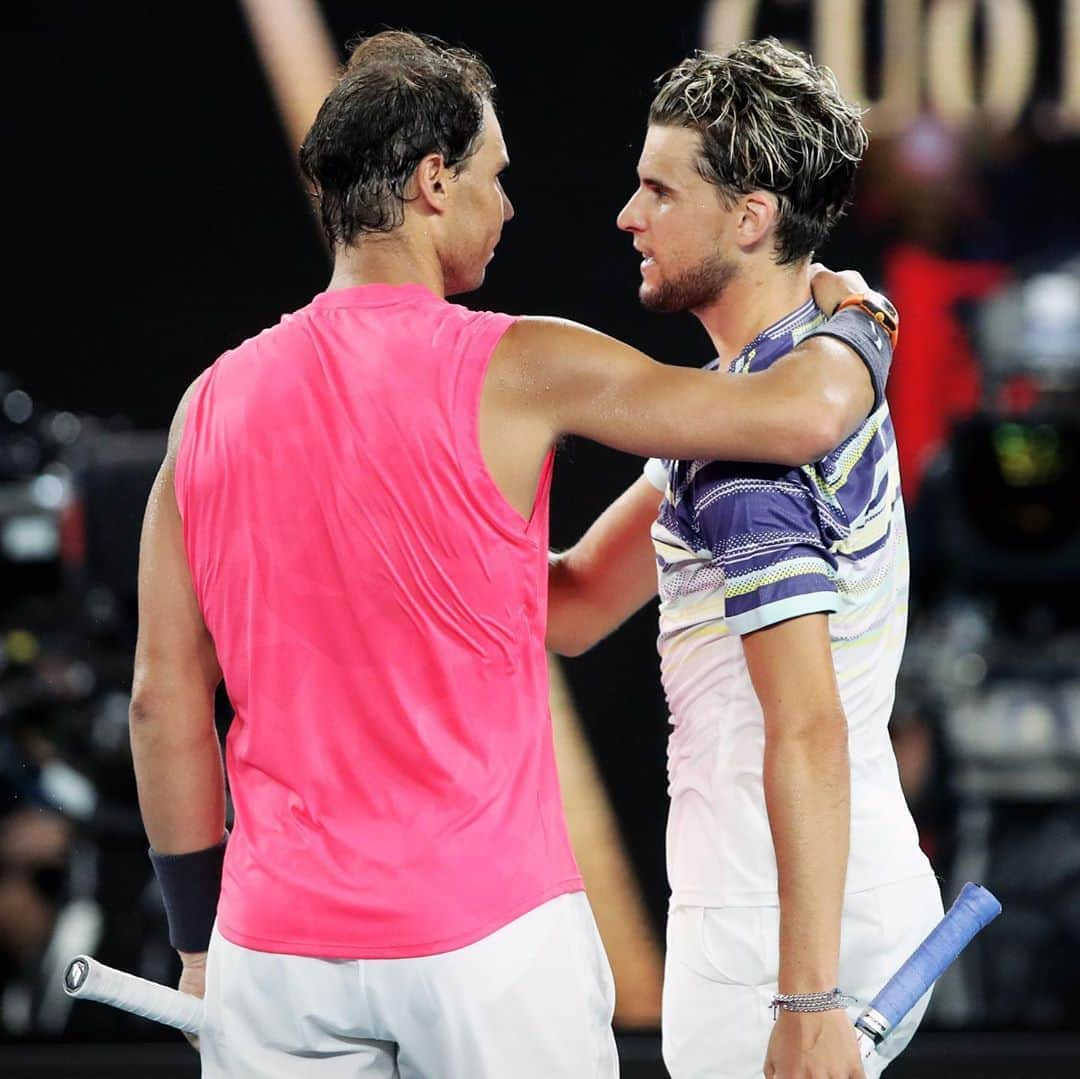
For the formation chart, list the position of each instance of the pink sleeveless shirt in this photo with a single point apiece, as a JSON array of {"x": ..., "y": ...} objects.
[{"x": 378, "y": 611}]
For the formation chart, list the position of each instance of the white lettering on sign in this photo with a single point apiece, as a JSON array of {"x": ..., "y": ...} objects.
[
  {"x": 932, "y": 56},
  {"x": 839, "y": 43},
  {"x": 1008, "y": 69}
]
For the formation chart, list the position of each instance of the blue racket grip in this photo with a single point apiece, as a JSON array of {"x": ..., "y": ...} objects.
[{"x": 974, "y": 908}]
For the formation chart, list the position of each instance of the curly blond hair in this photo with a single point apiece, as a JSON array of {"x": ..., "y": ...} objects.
[{"x": 770, "y": 119}]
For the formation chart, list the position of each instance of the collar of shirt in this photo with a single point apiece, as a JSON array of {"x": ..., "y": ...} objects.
[{"x": 778, "y": 339}]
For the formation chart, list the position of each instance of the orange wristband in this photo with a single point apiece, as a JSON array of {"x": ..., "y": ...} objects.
[{"x": 879, "y": 308}]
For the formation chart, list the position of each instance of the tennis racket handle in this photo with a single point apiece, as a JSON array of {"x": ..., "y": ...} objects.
[
  {"x": 87, "y": 979},
  {"x": 973, "y": 909}
]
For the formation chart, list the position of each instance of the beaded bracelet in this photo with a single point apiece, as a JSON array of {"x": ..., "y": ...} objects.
[{"x": 826, "y": 1001}]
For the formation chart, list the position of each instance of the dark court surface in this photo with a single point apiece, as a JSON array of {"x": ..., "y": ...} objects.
[{"x": 931, "y": 1056}]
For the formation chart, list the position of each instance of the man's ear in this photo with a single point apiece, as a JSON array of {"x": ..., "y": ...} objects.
[
  {"x": 757, "y": 218},
  {"x": 432, "y": 181}
]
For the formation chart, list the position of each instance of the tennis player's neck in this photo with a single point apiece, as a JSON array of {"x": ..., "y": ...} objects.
[
  {"x": 752, "y": 302},
  {"x": 378, "y": 263}
]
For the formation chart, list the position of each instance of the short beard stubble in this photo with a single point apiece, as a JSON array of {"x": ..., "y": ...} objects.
[{"x": 692, "y": 289}]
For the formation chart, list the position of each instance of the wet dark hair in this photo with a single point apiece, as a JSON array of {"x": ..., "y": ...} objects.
[
  {"x": 770, "y": 119},
  {"x": 400, "y": 97}
]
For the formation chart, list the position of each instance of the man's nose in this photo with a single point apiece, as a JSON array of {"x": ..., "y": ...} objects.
[{"x": 629, "y": 220}]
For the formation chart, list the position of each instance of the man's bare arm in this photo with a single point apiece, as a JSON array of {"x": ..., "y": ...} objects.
[
  {"x": 585, "y": 383},
  {"x": 608, "y": 575},
  {"x": 174, "y": 742},
  {"x": 807, "y": 794}
]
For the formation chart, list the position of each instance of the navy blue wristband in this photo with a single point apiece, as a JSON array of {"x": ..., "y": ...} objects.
[
  {"x": 190, "y": 885},
  {"x": 859, "y": 330}
]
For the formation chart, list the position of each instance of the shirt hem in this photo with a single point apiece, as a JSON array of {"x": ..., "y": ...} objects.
[
  {"x": 780, "y": 610},
  {"x": 359, "y": 950}
]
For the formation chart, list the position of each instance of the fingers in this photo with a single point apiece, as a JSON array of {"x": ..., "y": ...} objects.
[
  {"x": 830, "y": 287},
  {"x": 850, "y": 277}
]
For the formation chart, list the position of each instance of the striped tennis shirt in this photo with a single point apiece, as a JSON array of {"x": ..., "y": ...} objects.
[{"x": 743, "y": 546}]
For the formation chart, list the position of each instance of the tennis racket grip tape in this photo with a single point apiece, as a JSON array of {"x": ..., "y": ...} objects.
[
  {"x": 87, "y": 979},
  {"x": 973, "y": 909}
]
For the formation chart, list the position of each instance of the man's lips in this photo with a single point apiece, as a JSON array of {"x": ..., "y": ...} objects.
[{"x": 646, "y": 258}]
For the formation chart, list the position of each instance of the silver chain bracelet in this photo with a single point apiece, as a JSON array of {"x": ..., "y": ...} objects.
[{"x": 826, "y": 1001}]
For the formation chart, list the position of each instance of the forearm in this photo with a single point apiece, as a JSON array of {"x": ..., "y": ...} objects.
[
  {"x": 569, "y": 630},
  {"x": 807, "y": 793},
  {"x": 608, "y": 575},
  {"x": 178, "y": 771},
  {"x": 795, "y": 412},
  {"x": 579, "y": 616},
  {"x": 804, "y": 405}
]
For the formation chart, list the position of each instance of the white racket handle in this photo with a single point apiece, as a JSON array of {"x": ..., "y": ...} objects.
[
  {"x": 87, "y": 979},
  {"x": 867, "y": 1046}
]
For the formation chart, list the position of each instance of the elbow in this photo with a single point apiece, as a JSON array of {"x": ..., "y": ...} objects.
[
  {"x": 142, "y": 710},
  {"x": 822, "y": 433},
  {"x": 152, "y": 704},
  {"x": 814, "y": 434},
  {"x": 558, "y": 646},
  {"x": 140, "y": 707},
  {"x": 154, "y": 696},
  {"x": 567, "y": 610},
  {"x": 568, "y": 644},
  {"x": 145, "y": 735},
  {"x": 814, "y": 732},
  {"x": 565, "y": 651},
  {"x": 832, "y": 412},
  {"x": 572, "y": 629}
]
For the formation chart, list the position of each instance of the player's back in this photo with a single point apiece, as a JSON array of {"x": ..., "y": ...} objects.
[{"x": 377, "y": 609}]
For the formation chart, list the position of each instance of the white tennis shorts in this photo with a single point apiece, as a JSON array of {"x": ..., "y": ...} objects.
[
  {"x": 722, "y": 966},
  {"x": 534, "y": 1000}
]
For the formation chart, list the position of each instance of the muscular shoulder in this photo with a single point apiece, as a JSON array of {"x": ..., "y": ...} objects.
[
  {"x": 551, "y": 360},
  {"x": 546, "y": 340}
]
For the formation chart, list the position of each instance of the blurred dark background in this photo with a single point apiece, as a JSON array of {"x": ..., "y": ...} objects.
[{"x": 155, "y": 218}]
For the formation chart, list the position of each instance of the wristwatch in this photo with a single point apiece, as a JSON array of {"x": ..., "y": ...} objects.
[{"x": 879, "y": 307}]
